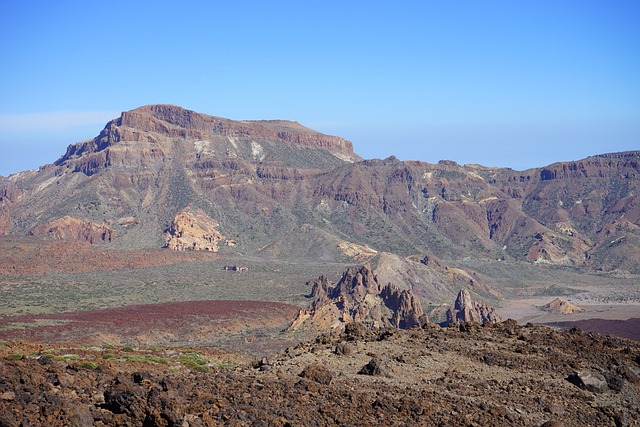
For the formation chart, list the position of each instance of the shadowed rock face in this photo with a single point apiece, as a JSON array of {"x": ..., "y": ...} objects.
[
  {"x": 359, "y": 297},
  {"x": 466, "y": 310}
]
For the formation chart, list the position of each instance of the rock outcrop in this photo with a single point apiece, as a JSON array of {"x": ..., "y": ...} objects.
[
  {"x": 75, "y": 229},
  {"x": 467, "y": 310},
  {"x": 359, "y": 297},
  {"x": 192, "y": 229},
  {"x": 145, "y": 136},
  {"x": 560, "y": 306}
]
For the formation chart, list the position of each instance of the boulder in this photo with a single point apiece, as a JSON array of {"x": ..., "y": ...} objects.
[
  {"x": 588, "y": 380},
  {"x": 560, "y": 306},
  {"x": 376, "y": 367},
  {"x": 318, "y": 373}
]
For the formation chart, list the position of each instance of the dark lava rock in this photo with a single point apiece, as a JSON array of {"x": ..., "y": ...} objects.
[
  {"x": 343, "y": 349},
  {"x": 375, "y": 367},
  {"x": 317, "y": 373},
  {"x": 614, "y": 382}
]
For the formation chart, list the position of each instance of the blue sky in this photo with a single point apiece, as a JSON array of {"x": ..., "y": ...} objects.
[{"x": 501, "y": 83}]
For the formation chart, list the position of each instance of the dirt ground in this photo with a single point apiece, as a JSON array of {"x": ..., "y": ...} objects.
[
  {"x": 530, "y": 310},
  {"x": 500, "y": 375}
]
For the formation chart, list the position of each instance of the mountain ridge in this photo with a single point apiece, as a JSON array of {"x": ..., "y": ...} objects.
[{"x": 263, "y": 180}]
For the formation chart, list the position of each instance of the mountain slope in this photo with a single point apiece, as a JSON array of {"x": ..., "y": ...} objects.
[{"x": 265, "y": 181}]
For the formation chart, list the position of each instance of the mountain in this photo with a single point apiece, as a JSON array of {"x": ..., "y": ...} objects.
[{"x": 278, "y": 189}]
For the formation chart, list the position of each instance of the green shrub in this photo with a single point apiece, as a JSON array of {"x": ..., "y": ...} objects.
[
  {"x": 194, "y": 361},
  {"x": 67, "y": 357},
  {"x": 89, "y": 365},
  {"x": 15, "y": 356},
  {"x": 108, "y": 356}
]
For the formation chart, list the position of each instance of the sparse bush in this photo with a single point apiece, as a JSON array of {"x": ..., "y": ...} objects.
[
  {"x": 194, "y": 361},
  {"x": 15, "y": 356},
  {"x": 89, "y": 365},
  {"x": 67, "y": 357}
]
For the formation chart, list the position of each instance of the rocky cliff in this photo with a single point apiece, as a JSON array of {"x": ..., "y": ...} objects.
[
  {"x": 75, "y": 229},
  {"x": 194, "y": 230},
  {"x": 143, "y": 136},
  {"x": 359, "y": 297},
  {"x": 467, "y": 310}
]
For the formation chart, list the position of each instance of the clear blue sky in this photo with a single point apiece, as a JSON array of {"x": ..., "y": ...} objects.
[{"x": 501, "y": 83}]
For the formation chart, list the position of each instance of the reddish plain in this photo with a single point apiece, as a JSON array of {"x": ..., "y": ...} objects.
[
  {"x": 35, "y": 256},
  {"x": 197, "y": 323}
]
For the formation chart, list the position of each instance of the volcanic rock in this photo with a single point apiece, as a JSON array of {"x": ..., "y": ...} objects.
[
  {"x": 318, "y": 373},
  {"x": 268, "y": 181},
  {"x": 75, "y": 229},
  {"x": 588, "y": 380},
  {"x": 375, "y": 367},
  {"x": 466, "y": 310},
  {"x": 560, "y": 306},
  {"x": 437, "y": 377},
  {"x": 359, "y": 297},
  {"x": 194, "y": 230}
]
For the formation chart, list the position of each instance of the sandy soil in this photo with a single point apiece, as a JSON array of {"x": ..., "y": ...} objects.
[{"x": 529, "y": 310}]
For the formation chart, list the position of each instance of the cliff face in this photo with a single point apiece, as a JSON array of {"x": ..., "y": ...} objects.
[
  {"x": 144, "y": 136},
  {"x": 359, "y": 297}
]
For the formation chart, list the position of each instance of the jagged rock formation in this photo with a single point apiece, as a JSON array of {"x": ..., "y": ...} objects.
[
  {"x": 466, "y": 310},
  {"x": 75, "y": 229},
  {"x": 359, "y": 297},
  {"x": 192, "y": 229},
  {"x": 560, "y": 306}
]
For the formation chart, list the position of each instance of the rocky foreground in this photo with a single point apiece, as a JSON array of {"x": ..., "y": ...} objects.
[{"x": 472, "y": 375}]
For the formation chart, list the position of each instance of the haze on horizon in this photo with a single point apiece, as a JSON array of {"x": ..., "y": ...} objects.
[{"x": 512, "y": 84}]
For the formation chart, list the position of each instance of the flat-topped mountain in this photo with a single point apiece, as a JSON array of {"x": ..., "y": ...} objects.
[
  {"x": 149, "y": 134},
  {"x": 276, "y": 188}
]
